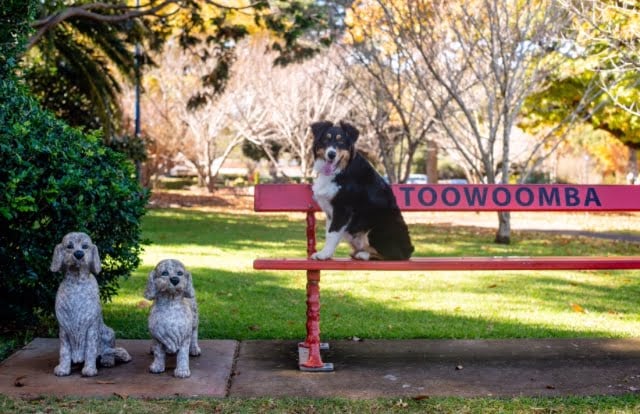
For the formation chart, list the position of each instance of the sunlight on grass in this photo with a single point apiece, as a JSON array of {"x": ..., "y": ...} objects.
[{"x": 240, "y": 303}]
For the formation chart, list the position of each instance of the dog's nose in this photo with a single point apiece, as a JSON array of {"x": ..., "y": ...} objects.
[
  {"x": 331, "y": 154},
  {"x": 174, "y": 280},
  {"x": 79, "y": 254}
]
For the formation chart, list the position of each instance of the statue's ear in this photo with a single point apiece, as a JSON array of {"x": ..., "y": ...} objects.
[
  {"x": 190, "y": 292},
  {"x": 58, "y": 257},
  {"x": 352, "y": 132},
  {"x": 95, "y": 266},
  {"x": 150, "y": 290},
  {"x": 319, "y": 128}
]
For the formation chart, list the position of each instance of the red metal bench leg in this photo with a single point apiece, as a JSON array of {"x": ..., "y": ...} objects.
[{"x": 309, "y": 350}]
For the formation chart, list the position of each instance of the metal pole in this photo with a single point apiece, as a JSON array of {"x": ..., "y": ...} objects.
[{"x": 136, "y": 65}]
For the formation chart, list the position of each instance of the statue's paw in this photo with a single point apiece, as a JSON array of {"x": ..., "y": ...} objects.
[
  {"x": 61, "y": 371},
  {"x": 182, "y": 372},
  {"x": 156, "y": 368}
]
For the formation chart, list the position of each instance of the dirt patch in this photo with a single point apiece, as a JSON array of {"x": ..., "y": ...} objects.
[{"x": 227, "y": 198}]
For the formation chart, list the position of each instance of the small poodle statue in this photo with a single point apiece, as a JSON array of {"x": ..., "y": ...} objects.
[
  {"x": 83, "y": 335},
  {"x": 173, "y": 321}
]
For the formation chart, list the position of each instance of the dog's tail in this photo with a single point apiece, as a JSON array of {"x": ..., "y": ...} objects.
[{"x": 121, "y": 354}]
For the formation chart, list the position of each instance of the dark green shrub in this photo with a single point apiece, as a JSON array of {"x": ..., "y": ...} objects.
[{"x": 55, "y": 179}]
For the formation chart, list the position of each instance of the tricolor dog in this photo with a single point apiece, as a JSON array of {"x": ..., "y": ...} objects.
[{"x": 359, "y": 205}]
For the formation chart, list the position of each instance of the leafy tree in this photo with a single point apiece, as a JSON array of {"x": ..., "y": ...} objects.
[
  {"x": 82, "y": 50},
  {"x": 475, "y": 61},
  {"x": 54, "y": 179}
]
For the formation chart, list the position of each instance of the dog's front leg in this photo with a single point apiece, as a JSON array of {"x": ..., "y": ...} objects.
[
  {"x": 91, "y": 353},
  {"x": 182, "y": 360},
  {"x": 336, "y": 229},
  {"x": 330, "y": 245},
  {"x": 64, "y": 365},
  {"x": 157, "y": 366}
]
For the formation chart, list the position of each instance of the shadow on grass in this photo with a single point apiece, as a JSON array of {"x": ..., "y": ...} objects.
[
  {"x": 255, "y": 305},
  {"x": 254, "y": 232}
]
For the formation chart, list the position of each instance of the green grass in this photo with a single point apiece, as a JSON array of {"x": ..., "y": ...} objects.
[
  {"x": 237, "y": 302},
  {"x": 585, "y": 405},
  {"x": 241, "y": 303}
]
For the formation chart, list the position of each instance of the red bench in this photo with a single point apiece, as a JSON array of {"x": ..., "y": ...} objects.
[{"x": 298, "y": 198}]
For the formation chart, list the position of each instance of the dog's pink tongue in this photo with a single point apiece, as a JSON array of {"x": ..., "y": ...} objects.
[{"x": 328, "y": 168}]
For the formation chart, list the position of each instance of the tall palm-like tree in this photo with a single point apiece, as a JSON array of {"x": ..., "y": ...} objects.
[{"x": 76, "y": 66}]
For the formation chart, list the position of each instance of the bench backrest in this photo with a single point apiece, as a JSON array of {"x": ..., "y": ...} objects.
[{"x": 481, "y": 197}]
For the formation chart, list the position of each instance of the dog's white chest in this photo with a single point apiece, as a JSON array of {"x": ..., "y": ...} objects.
[{"x": 324, "y": 189}]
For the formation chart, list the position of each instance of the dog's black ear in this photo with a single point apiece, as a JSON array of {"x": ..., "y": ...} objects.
[
  {"x": 352, "y": 132},
  {"x": 95, "y": 266},
  {"x": 319, "y": 128},
  {"x": 150, "y": 290},
  {"x": 58, "y": 257}
]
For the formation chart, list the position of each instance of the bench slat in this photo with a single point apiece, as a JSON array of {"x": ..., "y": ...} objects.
[
  {"x": 457, "y": 263},
  {"x": 443, "y": 197}
]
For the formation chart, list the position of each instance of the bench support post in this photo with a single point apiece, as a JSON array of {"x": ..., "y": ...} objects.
[{"x": 309, "y": 350}]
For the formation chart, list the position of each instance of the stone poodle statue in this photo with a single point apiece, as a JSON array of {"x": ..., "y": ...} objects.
[
  {"x": 83, "y": 335},
  {"x": 173, "y": 320}
]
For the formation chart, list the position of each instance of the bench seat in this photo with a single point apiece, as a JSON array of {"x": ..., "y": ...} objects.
[{"x": 458, "y": 263}]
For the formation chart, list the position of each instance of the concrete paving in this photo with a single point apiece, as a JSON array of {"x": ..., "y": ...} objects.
[
  {"x": 28, "y": 373},
  {"x": 363, "y": 369}
]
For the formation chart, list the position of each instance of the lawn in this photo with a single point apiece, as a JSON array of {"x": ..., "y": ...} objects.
[
  {"x": 240, "y": 303},
  {"x": 236, "y": 302}
]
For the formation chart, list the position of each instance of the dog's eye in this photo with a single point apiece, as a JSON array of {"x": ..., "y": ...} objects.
[
  {"x": 70, "y": 246},
  {"x": 180, "y": 273},
  {"x": 165, "y": 273},
  {"x": 85, "y": 246}
]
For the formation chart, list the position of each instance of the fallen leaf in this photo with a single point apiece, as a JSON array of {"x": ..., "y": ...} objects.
[
  {"x": 121, "y": 395},
  {"x": 421, "y": 397},
  {"x": 143, "y": 304},
  {"x": 492, "y": 286},
  {"x": 102, "y": 382},
  {"x": 254, "y": 328},
  {"x": 577, "y": 308},
  {"x": 18, "y": 382}
]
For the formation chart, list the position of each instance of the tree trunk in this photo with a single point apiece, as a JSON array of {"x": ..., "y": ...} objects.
[
  {"x": 503, "y": 236},
  {"x": 633, "y": 166},
  {"x": 432, "y": 162}
]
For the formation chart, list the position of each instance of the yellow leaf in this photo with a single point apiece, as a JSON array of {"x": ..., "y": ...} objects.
[{"x": 577, "y": 308}]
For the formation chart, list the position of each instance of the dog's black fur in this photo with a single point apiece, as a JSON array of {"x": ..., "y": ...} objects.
[{"x": 359, "y": 203}]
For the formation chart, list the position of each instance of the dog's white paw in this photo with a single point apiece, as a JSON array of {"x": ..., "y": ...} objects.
[
  {"x": 362, "y": 255},
  {"x": 182, "y": 373},
  {"x": 61, "y": 371},
  {"x": 89, "y": 371},
  {"x": 321, "y": 255}
]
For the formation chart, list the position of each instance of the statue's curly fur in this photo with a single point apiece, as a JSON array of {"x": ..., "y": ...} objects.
[
  {"x": 173, "y": 321},
  {"x": 83, "y": 335}
]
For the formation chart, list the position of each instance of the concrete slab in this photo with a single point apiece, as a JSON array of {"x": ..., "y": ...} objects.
[
  {"x": 28, "y": 373},
  {"x": 465, "y": 368}
]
